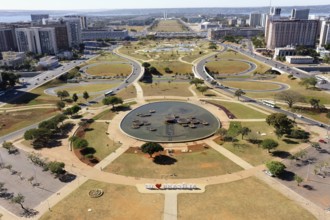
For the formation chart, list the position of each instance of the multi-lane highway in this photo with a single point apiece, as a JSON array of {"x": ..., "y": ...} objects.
[{"x": 200, "y": 72}]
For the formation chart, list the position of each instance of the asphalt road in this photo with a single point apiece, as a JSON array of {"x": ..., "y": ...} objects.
[{"x": 199, "y": 69}]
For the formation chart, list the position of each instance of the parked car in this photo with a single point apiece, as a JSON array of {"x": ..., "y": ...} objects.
[
  {"x": 322, "y": 141},
  {"x": 267, "y": 172}
]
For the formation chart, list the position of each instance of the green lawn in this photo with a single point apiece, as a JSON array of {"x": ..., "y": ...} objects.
[
  {"x": 240, "y": 111},
  {"x": 199, "y": 163},
  {"x": 110, "y": 69},
  {"x": 247, "y": 85},
  {"x": 117, "y": 202},
  {"x": 128, "y": 93},
  {"x": 247, "y": 199},
  {"x": 13, "y": 121},
  {"x": 175, "y": 67},
  {"x": 169, "y": 26},
  {"x": 37, "y": 96},
  {"x": 98, "y": 139},
  {"x": 227, "y": 66},
  {"x": 166, "y": 89},
  {"x": 294, "y": 86},
  {"x": 80, "y": 88},
  {"x": 251, "y": 152}
]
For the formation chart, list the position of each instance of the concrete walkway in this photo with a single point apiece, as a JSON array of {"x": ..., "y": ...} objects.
[{"x": 171, "y": 206}]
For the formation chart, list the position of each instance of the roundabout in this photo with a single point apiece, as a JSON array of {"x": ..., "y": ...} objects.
[
  {"x": 169, "y": 121},
  {"x": 110, "y": 69},
  {"x": 227, "y": 67}
]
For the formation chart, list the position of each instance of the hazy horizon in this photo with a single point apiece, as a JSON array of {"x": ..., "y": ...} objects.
[{"x": 145, "y": 4}]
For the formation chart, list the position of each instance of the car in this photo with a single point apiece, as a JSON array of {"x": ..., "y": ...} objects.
[
  {"x": 320, "y": 125},
  {"x": 299, "y": 116},
  {"x": 267, "y": 172},
  {"x": 322, "y": 141}
]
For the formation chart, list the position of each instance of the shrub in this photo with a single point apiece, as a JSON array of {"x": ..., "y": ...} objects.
[
  {"x": 80, "y": 143},
  {"x": 299, "y": 134}
]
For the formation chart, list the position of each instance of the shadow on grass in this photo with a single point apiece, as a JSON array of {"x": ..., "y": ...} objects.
[
  {"x": 164, "y": 160},
  {"x": 21, "y": 98},
  {"x": 281, "y": 154},
  {"x": 288, "y": 141}
]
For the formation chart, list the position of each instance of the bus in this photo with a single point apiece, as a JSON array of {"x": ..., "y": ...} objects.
[
  {"x": 269, "y": 103},
  {"x": 110, "y": 93}
]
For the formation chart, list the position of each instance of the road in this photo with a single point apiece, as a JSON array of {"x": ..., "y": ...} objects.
[{"x": 200, "y": 71}]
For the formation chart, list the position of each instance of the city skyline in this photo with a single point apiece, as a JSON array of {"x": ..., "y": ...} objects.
[{"x": 130, "y": 4}]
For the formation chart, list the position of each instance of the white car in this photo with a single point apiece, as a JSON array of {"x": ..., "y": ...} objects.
[
  {"x": 268, "y": 173},
  {"x": 299, "y": 116}
]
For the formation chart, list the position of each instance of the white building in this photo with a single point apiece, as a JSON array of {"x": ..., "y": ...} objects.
[
  {"x": 104, "y": 34},
  {"x": 49, "y": 62},
  {"x": 325, "y": 33},
  {"x": 299, "y": 59},
  {"x": 284, "y": 51},
  {"x": 74, "y": 31},
  {"x": 11, "y": 58},
  {"x": 323, "y": 52}
]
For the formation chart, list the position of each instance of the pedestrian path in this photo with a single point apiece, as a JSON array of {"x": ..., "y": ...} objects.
[{"x": 171, "y": 206}]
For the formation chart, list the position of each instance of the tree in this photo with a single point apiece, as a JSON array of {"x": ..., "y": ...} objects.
[
  {"x": 298, "y": 179},
  {"x": 275, "y": 167},
  {"x": 56, "y": 167},
  {"x": 239, "y": 93},
  {"x": 245, "y": 131},
  {"x": 146, "y": 65},
  {"x": 75, "y": 109},
  {"x": 86, "y": 95},
  {"x": 290, "y": 97},
  {"x": 60, "y": 105},
  {"x": 19, "y": 199},
  {"x": 151, "y": 148},
  {"x": 39, "y": 136},
  {"x": 281, "y": 123},
  {"x": 315, "y": 103},
  {"x": 310, "y": 81},
  {"x": 269, "y": 144},
  {"x": 75, "y": 97},
  {"x": 167, "y": 70},
  {"x": 222, "y": 132},
  {"x": 202, "y": 89},
  {"x": 196, "y": 81},
  {"x": 112, "y": 100},
  {"x": 62, "y": 94}
]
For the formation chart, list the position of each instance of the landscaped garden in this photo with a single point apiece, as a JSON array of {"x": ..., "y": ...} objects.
[
  {"x": 168, "y": 26},
  {"x": 163, "y": 88},
  {"x": 110, "y": 69},
  {"x": 227, "y": 66}
]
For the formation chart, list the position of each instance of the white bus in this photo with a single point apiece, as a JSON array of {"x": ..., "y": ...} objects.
[
  {"x": 110, "y": 93},
  {"x": 269, "y": 103}
]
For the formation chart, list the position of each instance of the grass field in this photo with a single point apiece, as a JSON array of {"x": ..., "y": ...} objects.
[
  {"x": 166, "y": 89},
  {"x": 13, "y": 121},
  {"x": 294, "y": 85},
  {"x": 245, "y": 199},
  {"x": 240, "y": 111},
  {"x": 117, "y": 202},
  {"x": 227, "y": 66},
  {"x": 202, "y": 163},
  {"x": 110, "y": 69},
  {"x": 247, "y": 85},
  {"x": 88, "y": 87},
  {"x": 261, "y": 68},
  {"x": 98, "y": 139},
  {"x": 169, "y": 26},
  {"x": 127, "y": 93},
  {"x": 252, "y": 153},
  {"x": 175, "y": 67}
]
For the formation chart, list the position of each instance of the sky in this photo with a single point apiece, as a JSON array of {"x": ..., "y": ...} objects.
[{"x": 129, "y": 4}]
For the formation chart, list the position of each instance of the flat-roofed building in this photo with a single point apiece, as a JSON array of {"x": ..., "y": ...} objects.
[
  {"x": 220, "y": 33},
  {"x": 255, "y": 19},
  {"x": 7, "y": 39},
  {"x": 284, "y": 51},
  {"x": 325, "y": 33},
  {"x": 48, "y": 62},
  {"x": 299, "y": 59},
  {"x": 299, "y": 13},
  {"x": 117, "y": 34}
]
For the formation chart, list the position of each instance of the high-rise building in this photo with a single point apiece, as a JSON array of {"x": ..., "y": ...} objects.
[
  {"x": 286, "y": 32},
  {"x": 74, "y": 30},
  {"x": 299, "y": 13},
  {"x": 274, "y": 14},
  {"x": 37, "y": 40},
  {"x": 241, "y": 22},
  {"x": 62, "y": 40},
  {"x": 325, "y": 33},
  {"x": 263, "y": 20},
  {"x": 83, "y": 20},
  {"x": 28, "y": 40},
  {"x": 255, "y": 19},
  {"x": 232, "y": 21},
  {"x": 7, "y": 39},
  {"x": 38, "y": 17},
  {"x": 47, "y": 40}
]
